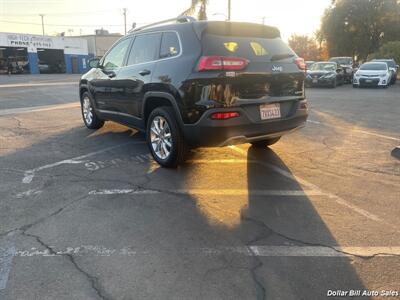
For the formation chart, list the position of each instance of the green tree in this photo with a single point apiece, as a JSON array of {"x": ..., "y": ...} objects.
[
  {"x": 388, "y": 50},
  {"x": 305, "y": 47},
  {"x": 359, "y": 27}
]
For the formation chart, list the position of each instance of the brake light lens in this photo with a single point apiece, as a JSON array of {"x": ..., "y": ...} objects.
[
  {"x": 300, "y": 63},
  {"x": 224, "y": 115},
  {"x": 209, "y": 63}
]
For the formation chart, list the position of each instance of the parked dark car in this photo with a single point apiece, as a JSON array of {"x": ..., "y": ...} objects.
[
  {"x": 197, "y": 83},
  {"x": 346, "y": 63},
  {"x": 393, "y": 67},
  {"x": 325, "y": 73}
]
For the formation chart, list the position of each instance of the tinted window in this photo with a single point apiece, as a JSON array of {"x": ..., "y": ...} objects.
[
  {"x": 324, "y": 67},
  {"x": 253, "y": 48},
  {"x": 115, "y": 58},
  {"x": 169, "y": 45},
  {"x": 374, "y": 67},
  {"x": 144, "y": 49}
]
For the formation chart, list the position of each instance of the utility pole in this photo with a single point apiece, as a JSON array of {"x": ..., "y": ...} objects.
[
  {"x": 124, "y": 12},
  {"x": 263, "y": 20},
  {"x": 42, "y": 15},
  {"x": 229, "y": 10}
]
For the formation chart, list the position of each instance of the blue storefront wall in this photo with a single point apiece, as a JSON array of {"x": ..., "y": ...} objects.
[
  {"x": 33, "y": 63},
  {"x": 83, "y": 63}
]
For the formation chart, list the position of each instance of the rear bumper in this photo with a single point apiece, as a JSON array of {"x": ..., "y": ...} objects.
[{"x": 213, "y": 133}]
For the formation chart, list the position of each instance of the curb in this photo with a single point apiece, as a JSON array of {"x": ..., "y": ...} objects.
[{"x": 396, "y": 152}]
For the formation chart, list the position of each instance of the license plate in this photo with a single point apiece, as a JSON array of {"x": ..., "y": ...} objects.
[
  {"x": 270, "y": 111},
  {"x": 368, "y": 81},
  {"x": 315, "y": 81}
]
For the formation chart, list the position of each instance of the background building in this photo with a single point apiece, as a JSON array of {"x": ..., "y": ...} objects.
[
  {"x": 27, "y": 53},
  {"x": 100, "y": 42}
]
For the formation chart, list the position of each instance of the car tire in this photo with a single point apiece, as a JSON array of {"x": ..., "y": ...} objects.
[
  {"x": 165, "y": 139},
  {"x": 355, "y": 86},
  {"x": 334, "y": 84},
  {"x": 89, "y": 116},
  {"x": 265, "y": 143}
]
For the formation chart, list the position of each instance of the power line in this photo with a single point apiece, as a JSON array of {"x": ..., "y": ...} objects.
[
  {"x": 63, "y": 25},
  {"x": 59, "y": 13}
]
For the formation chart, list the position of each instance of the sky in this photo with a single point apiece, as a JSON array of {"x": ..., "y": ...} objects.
[{"x": 75, "y": 17}]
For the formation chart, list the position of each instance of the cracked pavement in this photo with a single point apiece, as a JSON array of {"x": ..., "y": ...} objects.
[{"x": 99, "y": 219}]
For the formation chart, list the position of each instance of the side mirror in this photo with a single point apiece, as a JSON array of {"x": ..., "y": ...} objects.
[{"x": 94, "y": 63}]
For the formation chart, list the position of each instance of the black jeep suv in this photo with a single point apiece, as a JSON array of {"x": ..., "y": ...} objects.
[{"x": 197, "y": 83}]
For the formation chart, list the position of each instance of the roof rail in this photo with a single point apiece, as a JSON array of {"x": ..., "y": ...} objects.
[{"x": 180, "y": 19}]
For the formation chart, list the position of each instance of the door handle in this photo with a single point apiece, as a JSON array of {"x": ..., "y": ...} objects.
[
  {"x": 145, "y": 72},
  {"x": 112, "y": 74}
]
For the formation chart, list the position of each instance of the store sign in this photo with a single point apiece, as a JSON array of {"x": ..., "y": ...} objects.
[{"x": 30, "y": 41}]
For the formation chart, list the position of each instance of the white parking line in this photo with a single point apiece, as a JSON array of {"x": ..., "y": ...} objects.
[
  {"x": 29, "y": 174},
  {"x": 321, "y": 251},
  {"x": 7, "y": 252},
  {"x": 38, "y": 84},
  {"x": 313, "y": 187},
  {"x": 377, "y": 135},
  {"x": 23, "y": 110},
  {"x": 262, "y": 251},
  {"x": 358, "y": 130},
  {"x": 211, "y": 192}
]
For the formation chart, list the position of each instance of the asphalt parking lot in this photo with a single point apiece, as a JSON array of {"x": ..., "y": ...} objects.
[{"x": 88, "y": 214}]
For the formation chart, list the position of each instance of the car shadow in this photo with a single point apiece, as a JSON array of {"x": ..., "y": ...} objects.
[
  {"x": 229, "y": 223},
  {"x": 292, "y": 221}
]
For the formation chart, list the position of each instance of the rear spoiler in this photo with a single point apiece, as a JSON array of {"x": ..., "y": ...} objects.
[{"x": 235, "y": 29}]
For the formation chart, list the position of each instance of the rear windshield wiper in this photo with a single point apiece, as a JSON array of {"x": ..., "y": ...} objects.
[{"x": 281, "y": 56}]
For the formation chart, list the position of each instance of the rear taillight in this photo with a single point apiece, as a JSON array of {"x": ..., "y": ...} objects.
[
  {"x": 209, "y": 63},
  {"x": 224, "y": 115},
  {"x": 300, "y": 63}
]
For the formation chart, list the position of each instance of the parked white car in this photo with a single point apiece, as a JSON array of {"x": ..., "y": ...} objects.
[{"x": 372, "y": 74}]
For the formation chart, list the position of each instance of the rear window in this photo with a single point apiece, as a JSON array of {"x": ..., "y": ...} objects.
[
  {"x": 169, "y": 45},
  {"x": 252, "y": 48},
  {"x": 374, "y": 67}
]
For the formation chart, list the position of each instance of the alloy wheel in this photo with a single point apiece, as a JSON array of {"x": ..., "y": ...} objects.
[
  {"x": 87, "y": 110},
  {"x": 160, "y": 137}
]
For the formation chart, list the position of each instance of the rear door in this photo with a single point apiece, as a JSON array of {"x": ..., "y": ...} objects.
[{"x": 137, "y": 74}]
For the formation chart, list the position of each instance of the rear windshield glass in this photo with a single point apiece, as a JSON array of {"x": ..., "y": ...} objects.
[
  {"x": 323, "y": 67},
  {"x": 254, "y": 49},
  {"x": 375, "y": 67}
]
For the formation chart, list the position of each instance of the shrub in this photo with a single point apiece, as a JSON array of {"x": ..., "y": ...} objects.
[{"x": 388, "y": 50}]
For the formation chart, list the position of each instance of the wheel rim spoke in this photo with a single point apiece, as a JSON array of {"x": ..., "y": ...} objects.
[
  {"x": 160, "y": 137},
  {"x": 87, "y": 111}
]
